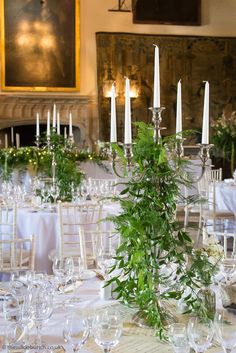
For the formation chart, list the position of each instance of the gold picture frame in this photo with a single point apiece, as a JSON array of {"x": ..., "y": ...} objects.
[{"x": 40, "y": 45}]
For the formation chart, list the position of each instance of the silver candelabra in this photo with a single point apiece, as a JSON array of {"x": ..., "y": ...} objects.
[{"x": 204, "y": 153}]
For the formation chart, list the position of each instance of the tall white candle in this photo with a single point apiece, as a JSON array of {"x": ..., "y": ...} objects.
[
  {"x": 156, "y": 88},
  {"x": 6, "y": 141},
  {"x": 54, "y": 116},
  {"x": 65, "y": 133},
  {"x": 205, "y": 121},
  {"x": 17, "y": 140},
  {"x": 48, "y": 123},
  {"x": 37, "y": 125},
  {"x": 179, "y": 110},
  {"x": 70, "y": 125},
  {"x": 128, "y": 132},
  {"x": 58, "y": 124},
  {"x": 113, "y": 133},
  {"x": 12, "y": 136}
]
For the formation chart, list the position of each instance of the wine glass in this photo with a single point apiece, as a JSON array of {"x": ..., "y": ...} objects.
[
  {"x": 76, "y": 330},
  {"x": 200, "y": 333},
  {"x": 41, "y": 307},
  {"x": 107, "y": 328},
  {"x": 63, "y": 269},
  {"x": 178, "y": 337},
  {"x": 225, "y": 330},
  {"x": 228, "y": 269},
  {"x": 105, "y": 261}
]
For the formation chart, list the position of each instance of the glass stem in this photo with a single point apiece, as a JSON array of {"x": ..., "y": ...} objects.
[
  {"x": 106, "y": 350},
  {"x": 38, "y": 335}
]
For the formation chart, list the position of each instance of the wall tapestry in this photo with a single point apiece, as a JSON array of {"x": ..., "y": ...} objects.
[{"x": 193, "y": 59}]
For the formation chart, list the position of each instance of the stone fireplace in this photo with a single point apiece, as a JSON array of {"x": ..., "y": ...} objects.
[{"x": 20, "y": 109}]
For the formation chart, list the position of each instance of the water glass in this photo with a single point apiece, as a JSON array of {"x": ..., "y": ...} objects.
[
  {"x": 107, "y": 328},
  {"x": 200, "y": 333},
  {"x": 225, "y": 329},
  {"x": 76, "y": 330},
  {"x": 178, "y": 338}
]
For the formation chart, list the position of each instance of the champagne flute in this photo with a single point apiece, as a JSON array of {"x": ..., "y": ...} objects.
[
  {"x": 76, "y": 330},
  {"x": 107, "y": 328},
  {"x": 225, "y": 330},
  {"x": 200, "y": 333}
]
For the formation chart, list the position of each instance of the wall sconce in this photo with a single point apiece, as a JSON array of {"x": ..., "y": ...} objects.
[{"x": 108, "y": 83}]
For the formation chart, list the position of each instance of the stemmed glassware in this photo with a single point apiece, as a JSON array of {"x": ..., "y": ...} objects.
[
  {"x": 105, "y": 261},
  {"x": 225, "y": 330},
  {"x": 41, "y": 308},
  {"x": 200, "y": 333},
  {"x": 63, "y": 269},
  {"x": 107, "y": 328},
  {"x": 228, "y": 269},
  {"x": 76, "y": 330}
]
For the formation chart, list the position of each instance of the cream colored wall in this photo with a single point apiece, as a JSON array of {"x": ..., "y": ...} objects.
[{"x": 218, "y": 19}]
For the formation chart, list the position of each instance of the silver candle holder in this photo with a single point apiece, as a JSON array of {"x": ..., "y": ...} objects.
[
  {"x": 157, "y": 119},
  {"x": 204, "y": 153}
]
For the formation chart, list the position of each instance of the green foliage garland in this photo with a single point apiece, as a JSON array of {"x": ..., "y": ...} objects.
[
  {"x": 151, "y": 237},
  {"x": 67, "y": 158}
]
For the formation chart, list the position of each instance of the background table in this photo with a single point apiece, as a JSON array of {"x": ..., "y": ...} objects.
[{"x": 44, "y": 225}]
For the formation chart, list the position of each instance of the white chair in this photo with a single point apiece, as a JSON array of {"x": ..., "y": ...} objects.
[
  {"x": 210, "y": 213},
  {"x": 227, "y": 240},
  {"x": 17, "y": 254},
  {"x": 78, "y": 231},
  {"x": 8, "y": 222}
]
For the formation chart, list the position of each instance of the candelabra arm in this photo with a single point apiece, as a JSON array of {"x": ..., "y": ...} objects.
[{"x": 204, "y": 155}]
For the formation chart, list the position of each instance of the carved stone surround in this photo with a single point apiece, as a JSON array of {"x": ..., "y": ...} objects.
[{"x": 21, "y": 109}]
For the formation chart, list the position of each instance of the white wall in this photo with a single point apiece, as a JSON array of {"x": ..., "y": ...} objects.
[{"x": 218, "y": 19}]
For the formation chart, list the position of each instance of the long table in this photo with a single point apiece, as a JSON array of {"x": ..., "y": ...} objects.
[{"x": 133, "y": 340}]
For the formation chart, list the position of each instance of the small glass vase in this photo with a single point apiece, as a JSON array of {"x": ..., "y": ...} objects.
[{"x": 208, "y": 298}]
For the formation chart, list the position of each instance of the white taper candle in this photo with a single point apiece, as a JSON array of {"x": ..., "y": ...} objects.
[
  {"x": 179, "y": 110},
  {"x": 6, "y": 141},
  {"x": 48, "y": 123},
  {"x": 12, "y": 136},
  {"x": 205, "y": 121},
  {"x": 58, "y": 124},
  {"x": 17, "y": 140},
  {"x": 70, "y": 125},
  {"x": 113, "y": 132},
  {"x": 156, "y": 88},
  {"x": 54, "y": 116},
  {"x": 128, "y": 132},
  {"x": 37, "y": 125}
]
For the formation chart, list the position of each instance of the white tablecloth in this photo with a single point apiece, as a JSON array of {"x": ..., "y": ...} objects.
[
  {"x": 133, "y": 340},
  {"x": 226, "y": 196},
  {"x": 44, "y": 225}
]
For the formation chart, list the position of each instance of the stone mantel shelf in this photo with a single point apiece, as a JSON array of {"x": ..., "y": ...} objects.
[{"x": 21, "y": 109}]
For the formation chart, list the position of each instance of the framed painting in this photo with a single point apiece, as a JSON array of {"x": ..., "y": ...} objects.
[
  {"x": 40, "y": 45},
  {"x": 173, "y": 12}
]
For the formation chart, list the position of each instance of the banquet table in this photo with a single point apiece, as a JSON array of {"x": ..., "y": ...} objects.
[
  {"x": 226, "y": 196},
  {"x": 134, "y": 339},
  {"x": 43, "y": 224}
]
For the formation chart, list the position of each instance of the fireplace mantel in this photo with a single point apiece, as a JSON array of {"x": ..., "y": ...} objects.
[{"x": 20, "y": 109}]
